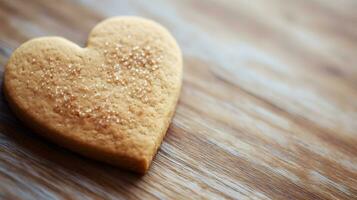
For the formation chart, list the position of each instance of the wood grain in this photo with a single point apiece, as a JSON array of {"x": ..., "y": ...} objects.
[{"x": 268, "y": 108}]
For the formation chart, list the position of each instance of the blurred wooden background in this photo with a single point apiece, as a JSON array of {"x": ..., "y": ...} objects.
[{"x": 268, "y": 108}]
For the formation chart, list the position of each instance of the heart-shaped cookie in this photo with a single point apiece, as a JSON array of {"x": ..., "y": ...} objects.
[{"x": 112, "y": 100}]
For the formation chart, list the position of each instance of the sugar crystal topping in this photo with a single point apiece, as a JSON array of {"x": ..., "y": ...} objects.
[{"x": 128, "y": 71}]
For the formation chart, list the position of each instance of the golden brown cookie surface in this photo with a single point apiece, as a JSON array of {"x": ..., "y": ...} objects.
[{"x": 112, "y": 101}]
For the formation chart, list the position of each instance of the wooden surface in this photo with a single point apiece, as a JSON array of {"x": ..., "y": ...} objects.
[{"x": 268, "y": 108}]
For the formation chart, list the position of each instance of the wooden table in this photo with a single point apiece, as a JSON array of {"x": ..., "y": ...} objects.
[{"x": 268, "y": 108}]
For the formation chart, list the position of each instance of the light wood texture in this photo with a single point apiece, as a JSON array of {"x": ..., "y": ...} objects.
[{"x": 268, "y": 108}]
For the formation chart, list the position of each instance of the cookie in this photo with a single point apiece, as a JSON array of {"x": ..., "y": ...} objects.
[{"x": 112, "y": 100}]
